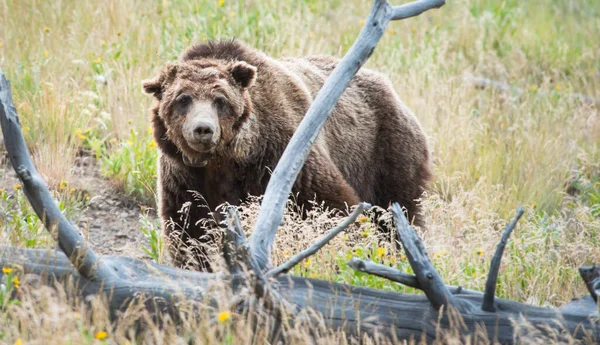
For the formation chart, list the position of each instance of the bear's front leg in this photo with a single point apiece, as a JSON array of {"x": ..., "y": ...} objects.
[
  {"x": 184, "y": 218},
  {"x": 322, "y": 179}
]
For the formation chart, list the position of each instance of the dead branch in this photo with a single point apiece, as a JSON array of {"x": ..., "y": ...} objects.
[
  {"x": 482, "y": 83},
  {"x": 36, "y": 191},
  {"x": 430, "y": 281},
  {"x": 490, "y": 284},
  {"x": 397, "y": 276},
  {"x": 286, "y": 267}
]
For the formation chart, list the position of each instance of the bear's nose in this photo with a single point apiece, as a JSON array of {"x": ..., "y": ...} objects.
[{"x": 203, "y": 132}]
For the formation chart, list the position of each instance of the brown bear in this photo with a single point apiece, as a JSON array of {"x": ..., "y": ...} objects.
[{"x": 225, "y": 112}]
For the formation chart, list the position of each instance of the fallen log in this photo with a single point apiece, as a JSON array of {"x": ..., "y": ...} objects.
[{"x": 354, "y": 311}]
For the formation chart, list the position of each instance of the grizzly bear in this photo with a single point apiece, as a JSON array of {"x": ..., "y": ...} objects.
[{"x": 225, "y": 112}]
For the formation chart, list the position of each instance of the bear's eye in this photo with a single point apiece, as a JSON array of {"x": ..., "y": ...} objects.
[
  {"x": 220, "y": 103},
  {"x": 183, "y": 101}
]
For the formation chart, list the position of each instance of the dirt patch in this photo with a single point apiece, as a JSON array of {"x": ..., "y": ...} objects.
[{"x": 110, "y": 222}]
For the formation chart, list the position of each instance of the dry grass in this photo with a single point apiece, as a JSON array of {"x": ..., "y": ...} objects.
[{"x": 77, "y": 65}]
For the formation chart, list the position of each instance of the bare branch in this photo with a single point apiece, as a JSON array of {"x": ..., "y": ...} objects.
[
  {"x": 430, "y": 281},
  {"x": 413, "y": 9},
  {"x": 296, "y": 152},
  {"x": 591, "y": 277},
  {"x": 286, "y": 267},
  {"x": 36, "y": 191},
  {"x": 490, "y": 284},
  {"x": 398, "y": 276},
  {"x": 233, "y": 241},
  {"x": 504, "y": 87}
]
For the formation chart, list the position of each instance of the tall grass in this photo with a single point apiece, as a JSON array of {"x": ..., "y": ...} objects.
[{"x": 76, "y": 69}]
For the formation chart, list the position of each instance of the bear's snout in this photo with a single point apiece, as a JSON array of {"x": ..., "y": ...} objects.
[{"x": 203, "y": 132}]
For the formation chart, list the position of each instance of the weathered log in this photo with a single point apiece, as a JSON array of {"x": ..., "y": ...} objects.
[
  {"x": 355, "y": 311},
  {"x": 483, "y": 83}
]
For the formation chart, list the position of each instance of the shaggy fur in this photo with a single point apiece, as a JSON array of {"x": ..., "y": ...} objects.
[{"x": 371, "y": 149}]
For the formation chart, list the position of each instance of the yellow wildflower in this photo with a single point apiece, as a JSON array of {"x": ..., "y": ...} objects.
[
  {"x": 363, "y": 219},
  {"x": 221, "y": 3},
  {"x": 558, "y": 87},
  {"x": 480, "y": 252},
  {"x": 150, "y": 129},
  {"x": 16, "y": 282},
  {"x": 0, "y": 44},
  {"x": 17, "y": 186},
  {"x": 474, "y": 275},
  {"x": 307, "y": 263},
  {"x": 223, "y": 316},
  {"x": 364, "y": 233},
  {"x": 403, "y": 257},
  {"x": 101, "y": 335},
  {"x": 128, "y": 143},
  {"x": 26, "y": 128},
  {"x": 380, "y": 252},
  {"x": 87, "y": 130},
  {"x": 7, "y": 270},
  {"x": 63, "y": 185},
  {"x": 18, "y": 342},
  {"x": 72, "y": 190},
  {"x": 46, "y": 29},
  {"x": 362, "y": 22},
  {"x": 533, "y": 88},
  {"x": 45, "y": 53},
  {"x": 437, "y": 255},
  {"x": 98, "y": 59},
  {"x": 153, "y": 144},
  {"x": 80, "y": 134},
  {"x": 533, "y": 206}
]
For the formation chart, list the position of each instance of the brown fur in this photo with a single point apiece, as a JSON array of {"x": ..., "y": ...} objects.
[{"x": 371, "y": 149}]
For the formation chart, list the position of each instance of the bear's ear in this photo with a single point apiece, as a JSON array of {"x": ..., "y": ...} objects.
[
  {"x": 156, "y": 86},
  {"x": 243, "y": 73},
  {"x": 153, "y": 87}
]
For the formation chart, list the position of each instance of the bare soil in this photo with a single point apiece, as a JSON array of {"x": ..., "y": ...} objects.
[{"x": 110, "y": 221}]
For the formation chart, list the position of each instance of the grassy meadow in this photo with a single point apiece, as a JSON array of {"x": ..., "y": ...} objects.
[{"x": 76, "y": 69}]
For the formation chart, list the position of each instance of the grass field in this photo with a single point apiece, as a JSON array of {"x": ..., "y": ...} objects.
[{"x": 76, "y": 69}]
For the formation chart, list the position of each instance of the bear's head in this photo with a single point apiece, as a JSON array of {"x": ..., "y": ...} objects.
[{"x": 200, "y": 106}]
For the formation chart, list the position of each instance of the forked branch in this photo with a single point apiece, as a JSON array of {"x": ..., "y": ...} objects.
[
  {"x": 490, "y": 284},
  {"x": 430, "y": 281},
  {"x": 398, "y": 276},
  {"x": 296, "y": 152},
  {"x": 69, "y": 240}
]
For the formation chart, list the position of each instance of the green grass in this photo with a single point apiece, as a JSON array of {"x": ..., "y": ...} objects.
[{"x": 76, "y": 69}]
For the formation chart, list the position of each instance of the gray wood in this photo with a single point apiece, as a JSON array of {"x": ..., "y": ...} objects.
[
  {"x": 492, "y": 278},
  {"x": 430, "y": 281},
  {"x": 296, "y": 259}
]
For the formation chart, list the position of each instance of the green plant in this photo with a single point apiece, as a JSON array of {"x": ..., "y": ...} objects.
[
  {"x": 152, "y": 231},
  {"x": 132, "y": 164},
  {"x": 8, "y": 286}
]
